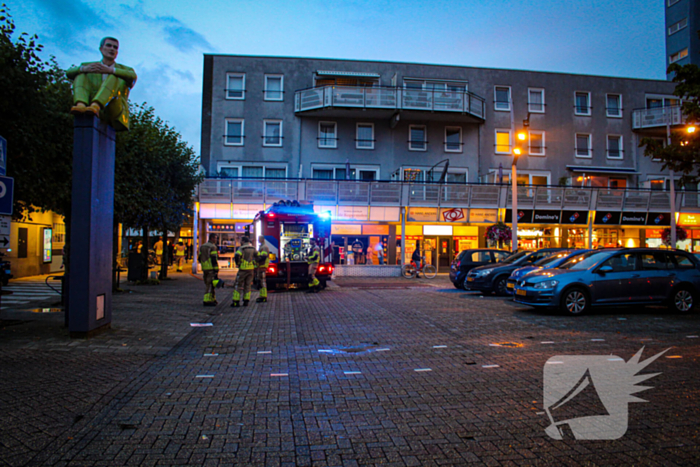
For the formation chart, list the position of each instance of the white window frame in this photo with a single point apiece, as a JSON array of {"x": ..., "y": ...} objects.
[
  {"x": 355, "y": 168},
  {"x": 529, "y": 139},
  {"x": 607, "y": 109},
  {"x": 495, "y": 141},
  {"x": 678, "y": 56},
  {"x": 242, "y": 90},
  {"x": 281, "y": 91},
  {"x": 590, "y": 145},
  {"x": 334, "y": 140},
  {"x": 240, "y": 165},
  {"x": 459, "y": 128},
  {"x": 496, "y": 103},
  {"x": 267, "y": 122},
  {"x": 588, "y": 107},
  {"x": 231, "y": 120},
  {"x": 424, "y": 148},
  {"x": 675, "y": 27},
  {"x": 493, "y": 175},
  {"x": 621, "y": 148},
  {"x": 424, "y": 169},
  {"x": 357, "y": 136},
  {"x": 529, "y": 104}
]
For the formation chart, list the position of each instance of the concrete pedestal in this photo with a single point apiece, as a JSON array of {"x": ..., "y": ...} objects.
[{"x": 92, "y": 217}]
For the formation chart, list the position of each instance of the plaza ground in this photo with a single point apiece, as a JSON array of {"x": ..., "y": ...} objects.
[{"x": 370, "y": 371}]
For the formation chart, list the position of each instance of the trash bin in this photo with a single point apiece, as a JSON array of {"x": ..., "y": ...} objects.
[{"x": 135, "y": 267}]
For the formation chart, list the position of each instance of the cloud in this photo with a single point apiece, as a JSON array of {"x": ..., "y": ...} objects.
[{"x": 181, "y": 37}]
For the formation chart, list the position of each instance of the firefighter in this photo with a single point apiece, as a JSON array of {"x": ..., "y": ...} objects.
[
  {"x": 180, "y": 255},
  {"x": 245, "y": 259},
  {"x": 313, "y": 259},
  {"x": 263, "y": 264},
  {"x": 210, "y": 269}
]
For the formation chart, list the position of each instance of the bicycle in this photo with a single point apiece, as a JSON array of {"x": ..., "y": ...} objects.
[{"x": 409, "y": 271}]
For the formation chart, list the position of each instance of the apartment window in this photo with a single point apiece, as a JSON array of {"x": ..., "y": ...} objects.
[
  {"x": 501, "y": 98},
  {"x": 274, "y": 88},
  {"x": 417, "y": 138},
  {"x": 536, "y": 143},
  {"x": 228, "y": 172},
  {"x": 583, "y": 145},
  {"x": 674, "y": 28},
  {"x": 453, "y": 139},
  {"x": 235, "y": 86},
  {"x": 233, "y": 132},
  {"x": 327, "y": 135},
  {"x": 502, "y": 141},
  {"x": 615, "y": 147},
  {"x": 678, "y": 56},
  {"x": 535, "y": 100},
  {"x": 364, "y": 136},
  {"x": 613, "y": 106},
  {"x": 275, "y": 173},
  {"x": 582, "y": 103},
  {"x": 323, "y": 174},
  {"x": 272, "y": 133}
]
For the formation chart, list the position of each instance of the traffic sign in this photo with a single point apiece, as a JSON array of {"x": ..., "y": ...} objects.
[
  {"x": 6, "y": 195},
  {"x": 4, "y": 241},
  {"x": 3, "y": 156}
]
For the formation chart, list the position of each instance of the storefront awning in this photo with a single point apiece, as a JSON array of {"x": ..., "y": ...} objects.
[
  {"x": 353, "y": 74},
  {"x": 602, "y": 170}
]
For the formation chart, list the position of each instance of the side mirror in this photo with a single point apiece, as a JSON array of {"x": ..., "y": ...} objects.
[{"x": 605, "y": 269}]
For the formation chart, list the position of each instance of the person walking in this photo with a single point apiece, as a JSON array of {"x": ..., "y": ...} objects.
[
  {"x": 313, "y": 259},
  {"x": 180, "y": 255},
  {"x": 158, "y": 246},
  {"x": 210, "y": 269},
  {"x": 379, "y": 248},
  {"x": 416, "y": 258},
  {"x": 245, "y": 259},
  {"x": 263, "y": 264}
]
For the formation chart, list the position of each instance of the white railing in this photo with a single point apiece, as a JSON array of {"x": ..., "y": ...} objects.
[{"x": 650, "y": 118}]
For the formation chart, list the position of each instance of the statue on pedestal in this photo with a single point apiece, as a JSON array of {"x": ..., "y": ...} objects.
[{"x": 103, "y": 87}]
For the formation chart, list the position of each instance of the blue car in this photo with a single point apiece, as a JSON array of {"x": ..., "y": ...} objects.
[
  {"x": 545, "y": 263},
  {"x": 620, "y": 276}
]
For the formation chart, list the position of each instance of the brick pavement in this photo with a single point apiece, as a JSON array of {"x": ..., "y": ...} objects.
[{"x": 357, "y": 375}]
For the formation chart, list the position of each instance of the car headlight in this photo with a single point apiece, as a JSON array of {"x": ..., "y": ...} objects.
[
  {"x": 482, "y": 273},
  {"x": 546, "y": 285}
]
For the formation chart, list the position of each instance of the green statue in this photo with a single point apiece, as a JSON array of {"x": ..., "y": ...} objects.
[{"x": 103, "y": 87}]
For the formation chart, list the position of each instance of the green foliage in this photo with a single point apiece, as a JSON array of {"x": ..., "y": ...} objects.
[{"x": 34, "y": 98}]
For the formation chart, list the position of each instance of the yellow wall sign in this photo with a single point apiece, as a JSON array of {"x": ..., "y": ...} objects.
[
  {"x": 689, "y": 219},
  {"x": 466, "y": 231},
  {"x": 375, "y": 230}
]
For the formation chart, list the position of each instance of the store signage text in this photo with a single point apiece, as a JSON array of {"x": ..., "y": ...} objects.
[
  {"x": 633, "y": 218},
  {"x": 546, "y": 217}
]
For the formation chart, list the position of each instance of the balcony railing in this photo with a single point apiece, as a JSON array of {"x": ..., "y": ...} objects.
[
  {"x": 658, "y": 117},
  {"x": 448, "y": 195},
  {"x": 392, "y": 98}
]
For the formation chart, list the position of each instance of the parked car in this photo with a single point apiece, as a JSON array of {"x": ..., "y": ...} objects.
[
  {"x": 552, "y": 261},
  {"x": 620, "y": 276},
  {"x": 494, "y": 277},
  {"x": 469, "y": 259}
]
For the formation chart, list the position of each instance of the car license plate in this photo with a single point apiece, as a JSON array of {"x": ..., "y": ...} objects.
[
  {"x": 470, "y": 279},
  {"x": 510, "y": 285},
  {"x": 520, "y": 292}
]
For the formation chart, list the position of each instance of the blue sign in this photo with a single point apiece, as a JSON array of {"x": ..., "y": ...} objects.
[
  {"x": 3, "y": 156},
  {"x": 6, "y": 195}
]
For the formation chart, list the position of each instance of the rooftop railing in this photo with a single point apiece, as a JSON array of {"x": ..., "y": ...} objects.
[{"x": 448, "y": 195}]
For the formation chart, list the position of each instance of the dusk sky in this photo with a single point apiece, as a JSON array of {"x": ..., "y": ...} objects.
[{"x": 164, "y": 40}]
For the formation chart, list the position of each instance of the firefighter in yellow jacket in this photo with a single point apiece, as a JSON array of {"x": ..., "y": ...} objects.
[
  {"x": 210, "y": 268},
  {"x": 263, "y": 264},
  {"x": 313, "y": 259},
  {"x": 246, "y": 259}
]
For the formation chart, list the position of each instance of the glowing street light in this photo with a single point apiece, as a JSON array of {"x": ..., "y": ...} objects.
[{"x": 521, "y": 136}]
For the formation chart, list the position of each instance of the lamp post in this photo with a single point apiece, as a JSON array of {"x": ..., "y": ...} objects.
[
  {"x": 673, "y": 182},
  {"x": 517, "y": 151}
]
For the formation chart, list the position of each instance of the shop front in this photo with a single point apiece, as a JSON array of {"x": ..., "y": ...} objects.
[{"x": 690, "y": 222}]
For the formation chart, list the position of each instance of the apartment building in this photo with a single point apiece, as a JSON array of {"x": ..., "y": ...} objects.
[{"x": 682, "y": 25}]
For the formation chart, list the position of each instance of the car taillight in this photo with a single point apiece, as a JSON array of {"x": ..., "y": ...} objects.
[{"x": 322, "y": 269}]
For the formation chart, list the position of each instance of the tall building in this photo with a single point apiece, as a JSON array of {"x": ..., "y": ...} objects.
[{"x": 682, "y": 25}]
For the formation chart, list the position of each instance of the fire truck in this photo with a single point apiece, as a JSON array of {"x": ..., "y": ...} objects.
[{"x": 287, "y": 227}]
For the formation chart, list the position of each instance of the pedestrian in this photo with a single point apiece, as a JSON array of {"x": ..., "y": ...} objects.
[
  {"x": 180, "y": 255},
  {"x": 188, "y": 251},
  {"x": 379, "y": 249},
  {"x": 245, "y": 259},
  {"x": 313, "y": 259},
  {"x": 263, "y": 264},
  {"x": 171, "y": 253},
  {"x": 158, "y": 246},
  {"x": 416, "y": 258},
  {"x": 210, "y": 269}
]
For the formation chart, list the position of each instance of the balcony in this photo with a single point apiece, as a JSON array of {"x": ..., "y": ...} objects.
[
  {"x": 385, "y": 101},
  {"x": 656, "y": 118}
]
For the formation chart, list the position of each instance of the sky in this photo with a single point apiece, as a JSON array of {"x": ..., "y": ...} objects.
[{"x": 165, "y": 40}]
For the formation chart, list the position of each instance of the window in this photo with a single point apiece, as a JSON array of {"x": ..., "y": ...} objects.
[
  {"x": 583, "y": 145},
  {"x": 358, "y": 172},
  {"x": 536, "y": 143},
  {"x": 678, "y": 56},
  {"x": 364, "y": 136},
  {"x": 233, "y": 132},
  {"x": 416, "y": 138},
  {"x": 228, "y": 172},
  {"x": 251, "y": 171},
  {"x": 323, "y": 174},
  {"x": 615, "y": 150},
  {"x": 582, "y": 103},
  {"x": 327, "y": 135},
  {"x": 502, "y": 141},
  {"x": 274, "y": 88},
  {"x": 674, "y": 28},
  {"x": 272, "y": 133},
  {"x": 481, "y": 257},
  {"x": 235, "y": 86},
  {"x": 502, "y": 98},
  {"x": 453, "y": 139},
  {"x": 275, "y": 173},
  {"x": 613, "y": 105},
  {"x": 682, "y": 261},
  {"x": 622, "y": 263},
  {"x": 655, "y": 261},
  {"x": 535, "y": 100}
]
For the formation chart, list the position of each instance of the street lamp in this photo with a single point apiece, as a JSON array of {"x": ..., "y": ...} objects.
[{"x": 517, "y": 151}]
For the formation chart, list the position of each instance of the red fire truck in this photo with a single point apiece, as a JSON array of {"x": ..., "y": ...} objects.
[{"x": 287, "y": 227}]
